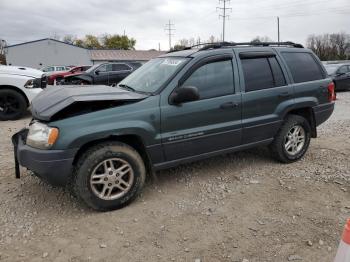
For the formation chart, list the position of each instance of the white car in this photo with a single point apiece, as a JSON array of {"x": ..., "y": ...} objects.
[
  {"x": 49, "y": 70},
  {"x": 18, "y": 86}
]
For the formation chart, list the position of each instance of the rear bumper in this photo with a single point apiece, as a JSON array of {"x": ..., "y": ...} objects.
[
  {"x": 323, "y": 112},
  {"x": 54, "y": 166}
]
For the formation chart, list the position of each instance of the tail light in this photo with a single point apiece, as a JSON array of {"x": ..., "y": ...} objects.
[{"x": 331, "y": 92}]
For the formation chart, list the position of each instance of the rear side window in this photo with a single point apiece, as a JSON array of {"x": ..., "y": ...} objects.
[
  {"x": 262, "y": 73},
  {"x": 120, "y": 67},
  {"x": 303, "y": 67},
  {"x": 213, "y": 79}
]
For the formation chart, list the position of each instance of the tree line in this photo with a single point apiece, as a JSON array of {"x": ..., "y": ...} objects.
[
  {"x": 330, "y": 46},
  {"x": 327, "y": 47},
  {"x": 106, "y": 41}
]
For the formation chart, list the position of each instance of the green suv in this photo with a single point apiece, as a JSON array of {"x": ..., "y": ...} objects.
[{"x": 180, "y": 107}]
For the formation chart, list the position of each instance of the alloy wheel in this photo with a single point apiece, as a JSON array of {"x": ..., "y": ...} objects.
[
  {"x": 295, "y": 140},
  {"x": 112, "y": 179}
]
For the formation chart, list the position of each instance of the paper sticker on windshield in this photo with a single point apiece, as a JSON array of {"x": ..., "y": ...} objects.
[{"x": 172, "y": 62}]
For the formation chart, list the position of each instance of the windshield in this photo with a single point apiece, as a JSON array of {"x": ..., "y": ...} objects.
[
  {"x": 331, "y": 69},
  {"x": 152, "y": 75}
]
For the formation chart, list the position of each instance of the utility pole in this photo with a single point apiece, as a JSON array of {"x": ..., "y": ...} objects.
[
  {"x": 224, "y": 15},
  {"x": 278, "y": 29},
  {"x": 169, "y": 28}
]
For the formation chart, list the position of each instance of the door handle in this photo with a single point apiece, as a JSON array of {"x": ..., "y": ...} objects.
[
  {"x": 228, "y": 105},
  {"x": 284, "y": 94}
]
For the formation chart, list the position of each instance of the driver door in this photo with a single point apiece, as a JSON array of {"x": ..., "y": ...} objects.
[
  {"x": 210, "y": 124},
  {"x": 343, "y": 78},
  {"x": 101, "y": 74}
]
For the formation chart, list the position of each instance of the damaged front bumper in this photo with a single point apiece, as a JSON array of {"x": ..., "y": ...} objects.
[{"x": 54, "y": 166}]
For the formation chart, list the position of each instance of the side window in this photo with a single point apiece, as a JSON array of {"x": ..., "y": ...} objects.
[
  {"x": 278, "y": 76},
  {"x": 105, "y": 68},
  {"x": 257, "y": 74},
  {"x": 303, "y": 66},
  {"x": 212, "y": 79},
  {"x": 343, "y": 70},
  {"x": 60, "y": 68},
  {"x": 121, "y": 67}
]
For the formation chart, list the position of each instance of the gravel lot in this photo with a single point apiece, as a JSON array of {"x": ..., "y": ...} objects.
[{"x": 237, "y": 207}]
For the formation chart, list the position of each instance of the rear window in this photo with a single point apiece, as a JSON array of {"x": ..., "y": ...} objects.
[{"x": 303, "y": 67}]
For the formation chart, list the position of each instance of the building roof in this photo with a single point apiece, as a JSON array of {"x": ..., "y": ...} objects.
[
  {"x": 123, "y": 55},
  {"x": 44, "y": 39},
  {"x": 108, "y": 54}
]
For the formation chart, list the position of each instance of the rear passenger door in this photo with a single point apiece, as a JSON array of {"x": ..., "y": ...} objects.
[{"x": 266, "y": 92}]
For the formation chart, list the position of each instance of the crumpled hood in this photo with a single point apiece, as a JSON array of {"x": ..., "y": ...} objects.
[
  {"x": 56, "y": 98},
  {"x": 20, "y": 70}
]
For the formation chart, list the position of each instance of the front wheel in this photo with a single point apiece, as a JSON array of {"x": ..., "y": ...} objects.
[
  {"x": 292, "y": 140},
  {"x": 109, "y": 176},
  {"x": 12, "y": 104}
]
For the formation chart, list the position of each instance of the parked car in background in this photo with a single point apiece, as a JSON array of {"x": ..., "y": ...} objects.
[
  {"x": 59, "y": 76},
  {"x": 18, "y": 86},
  {"x": 340, "y": 74},
  {"x": 51, "y": 69},
  {"x": 177, "y": 108},
  {"x": 102, "y": 74}
]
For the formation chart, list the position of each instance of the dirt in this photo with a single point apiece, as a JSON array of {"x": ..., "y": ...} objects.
[{"x": 236, "y": 207}]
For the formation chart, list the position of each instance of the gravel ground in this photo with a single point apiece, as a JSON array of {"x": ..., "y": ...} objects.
[{"x": 237, "y": 207}]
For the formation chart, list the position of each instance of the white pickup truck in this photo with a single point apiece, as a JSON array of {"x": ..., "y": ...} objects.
[{"x": 18, "y": 86}]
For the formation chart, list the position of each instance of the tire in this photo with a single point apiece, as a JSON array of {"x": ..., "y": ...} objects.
[
  {"x": 12, "y": 104},
  {"x": 93, "y": 174},
  {"x": 58, "y": 80},
  {"x": 285, "y": 138}
]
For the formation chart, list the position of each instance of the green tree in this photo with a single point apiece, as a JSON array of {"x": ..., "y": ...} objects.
[
  {"x": 91, "y": 41},
  {"x": 79, "y": 42},
  {"x": 118, "y": 42}
]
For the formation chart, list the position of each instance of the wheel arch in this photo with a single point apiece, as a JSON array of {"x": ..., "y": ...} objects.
[
  {"x": 132, "y": 140},
  {"x": 17, "y": 90},
  {"x": 308, "y": 114}
]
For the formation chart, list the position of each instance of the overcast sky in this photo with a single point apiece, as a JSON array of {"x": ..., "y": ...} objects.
[{"x": 144, "y": 20}]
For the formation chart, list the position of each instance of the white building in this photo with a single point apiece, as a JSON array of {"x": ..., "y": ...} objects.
[{"x": 45, "y": 52}]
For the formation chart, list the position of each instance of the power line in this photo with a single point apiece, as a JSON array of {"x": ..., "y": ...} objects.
[
  {"x": 224, "y": 15},
  {"x": 169, "y": 29},
  {"x": 278, "y": 29}
]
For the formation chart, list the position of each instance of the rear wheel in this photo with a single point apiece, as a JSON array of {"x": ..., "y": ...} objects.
[
  {"x": 12, "y": 104},
  {"x": 109, "y": 176},
  {"x": 292, "y": 140}
]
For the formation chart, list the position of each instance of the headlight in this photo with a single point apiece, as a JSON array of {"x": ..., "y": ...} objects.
[
  {"x": 41, "y": 136},
  {"x": 29, "y": 83},
  {"x": 33, "y": 83}
]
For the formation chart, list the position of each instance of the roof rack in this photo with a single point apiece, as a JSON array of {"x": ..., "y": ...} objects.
[{"x": 216, "y": 45}]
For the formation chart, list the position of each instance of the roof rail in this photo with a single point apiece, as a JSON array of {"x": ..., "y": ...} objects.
[{"x": 216, "y": 45}]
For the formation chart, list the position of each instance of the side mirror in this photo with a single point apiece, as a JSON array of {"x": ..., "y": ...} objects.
[
  {"x": 184, "y": 94},
  {"x": 97, "y": 72}
]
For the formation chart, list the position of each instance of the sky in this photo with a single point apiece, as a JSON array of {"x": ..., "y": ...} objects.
[{"x": 145, "y": 20}]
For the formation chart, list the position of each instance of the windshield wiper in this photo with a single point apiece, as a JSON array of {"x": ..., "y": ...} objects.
[{"x": 127, "y": 87}]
